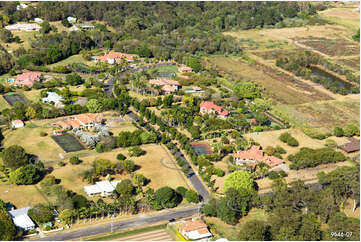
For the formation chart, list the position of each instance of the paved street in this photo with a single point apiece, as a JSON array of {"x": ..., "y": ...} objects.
[{"x": 110, "y": 227}]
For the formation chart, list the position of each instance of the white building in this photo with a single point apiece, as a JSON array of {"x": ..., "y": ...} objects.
[
  {"x": 74, "y": 28},
  {"x": 102, "y": 188},
  {"x": 21, "y": 6},
  {"x": 71, "y": 19},
  {"x": 17, "y": 124},
  {"x": 38, "y": 20},
  {"x": 53, "y": 98},
  {"x": 21, "y": 218}
]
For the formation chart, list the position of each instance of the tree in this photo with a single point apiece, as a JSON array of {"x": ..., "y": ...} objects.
[
  {"x": 139, "y": 180},
  {"x": 41, "y": 213},
  {"x": 74, "y": 79},
  {"x": 7, "y": 227},
  {"x": 120, "y": 156},
  {"x": 310, "y": 228},
  {"x": 125, "y": 188},
  {"x": 45, "y": 27},
  {"x": 239, "y": 180},
  {"x": 14, "y": 157},
  {"x": 74, "y": 160},
  {"x": 339, "y": 223},
  {"x": 25, "y": 175},
  {"x": 79, "y": 201},
  {"x": 166, "y": 197},
  {"x": 136, "y": 151},
  {"x": 338, "y": 132},
  {"x": 356, "y": 36},
  {"x": 226, "y": 213},
  {"x": 6, "y": 36},
  {"x": 194, "y": 63},
  {"x": 66, "y": 215},
  {"x": 181, "y": 191},
  {"x": 192, "y": 196},
  {"x": 247, "y": 90},
  {"x": 351, "y": 130},
  {"x": 65, "y": 23},
  {"x": 94, "y": 106},
  {"x": 254, "y": 230}
]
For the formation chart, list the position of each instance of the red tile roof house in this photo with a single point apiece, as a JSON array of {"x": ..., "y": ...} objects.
[
  {"x": 81, "y": 121},
  {"x": 185, "y": 69},
  {"x": 27, "y": 79},
  {"x": 114, "y": 57},
  {"x": 207, "y": 107},
  {"x": 255, "y": 155},
  {"x": 195, "y": 230},
  {"x": 17, "y": 124},
  {"x": 168, "y": 86}
]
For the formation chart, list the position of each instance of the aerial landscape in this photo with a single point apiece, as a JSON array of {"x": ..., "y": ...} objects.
[{"x": 180, "y": 121}]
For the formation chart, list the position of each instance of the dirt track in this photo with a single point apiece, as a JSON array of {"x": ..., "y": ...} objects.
[{"x": 157, "y": 235}]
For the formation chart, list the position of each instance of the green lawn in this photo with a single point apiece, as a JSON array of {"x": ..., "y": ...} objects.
[
  {"x": 70, "y": 60},
  {"x": 172, "y": 68}
]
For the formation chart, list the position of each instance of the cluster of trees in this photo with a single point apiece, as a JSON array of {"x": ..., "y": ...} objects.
[
  {"x": 307, "y": 157},
  {"x": 137, "y": 137},
  {"x": 239, "y": 192},
  {"x": 288, "y": 139},
  {"x": 23, "y": 172},
  {"x": 349, "y": 131}
]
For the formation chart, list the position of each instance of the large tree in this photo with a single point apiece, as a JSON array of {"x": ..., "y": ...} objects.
[
  {"x": 25, "y": 175},
  {"x": 239, "y": 180},
  {"x": 7, "y": 227},
  {"x": 254, "y": 230},
  {"x": 14, "y": 157}
]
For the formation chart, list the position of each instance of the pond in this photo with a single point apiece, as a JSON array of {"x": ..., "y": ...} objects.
[{"x": 328, "y": 80}]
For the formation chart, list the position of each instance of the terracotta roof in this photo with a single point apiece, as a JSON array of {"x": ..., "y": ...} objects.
[
  {"x": 210, "y": 105},
  {"x": 15, "y": 122},
  {"x": 193, "y": 225},
  {"x": 116, "y": 55},
  {"x": 163, "y": 82},
  {"x": 256, "y": 154},
  {"x": 224, "y": 113},
  {"x": 184, "y": 69},
  {"x": 168, "y": 88},
  {"x": 32, "y": 76},
  {"x": 76, "y": 121},
  {"x": 197, "y": 88}
]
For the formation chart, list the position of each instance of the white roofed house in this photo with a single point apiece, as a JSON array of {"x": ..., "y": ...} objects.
[
  {"x": 38, "y": 20},
  {"x": 21, "y": 218},
  {"x": 53, "y": 98},
  {"x": 102, "y": 188},
  {"x": 71, "y": 19}
]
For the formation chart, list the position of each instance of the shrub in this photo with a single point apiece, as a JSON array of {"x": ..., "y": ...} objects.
[
  {"x": 61, "y": 163},
  {"x": 219, "y": 172},
  {"x": 120, "y": 156},
  {"x": 136, "y": 151},
  {"x": 192, "y": 196},
  {"x": 74, "y": 160},
  {"x": 273, "y": 175},
  {"x": 288, "y": 139},
  {"x": 181, "y": 191},
  {"x": 43, "y": 134},
  {"x": 280, "y": 150},
  {"x": 351, "y": 130},
  {"x": 282, "y": 173}
]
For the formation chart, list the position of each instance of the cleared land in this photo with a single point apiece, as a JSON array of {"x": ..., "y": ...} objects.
[
  {"x": 323, "y": 115},
  {"x": 348, "y": 17},
  {"x": 21, "y": 196},
  {"x": 3, "y": 103},
  {"x": 279, "y": 87},
  {"x": 157, "y": 235}
]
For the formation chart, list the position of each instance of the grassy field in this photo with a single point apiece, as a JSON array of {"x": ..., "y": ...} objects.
[
  {"x": 3, "y": 103},
  {"x": 348, "y": 17},
  {"x": 21, "y": 196},
  {"x": 70, "y": 60},
  {"x": 223, "y": 230},
  {"x": 323, "y": 115},
  {"x": 24, "y": 36},
  {"x": 281, "y": 89}
]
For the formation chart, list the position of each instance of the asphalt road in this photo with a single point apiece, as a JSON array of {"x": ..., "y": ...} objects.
[{"x": 110, "y": 227}]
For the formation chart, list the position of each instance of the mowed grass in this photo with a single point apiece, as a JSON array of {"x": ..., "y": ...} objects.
[
  {"x": 280, "y": 90},
  {"x": 324, "y": 115},
  {"x": 21, "y": 196},
  {"x": 231, "y": 232},
  {"x": 150, "y": 165},
  {"x": 70, "y": 60},
  {"x": 25, "y": 36},
  {"x": 29, "y": 138},
  {"x": 3, "y": 103}
]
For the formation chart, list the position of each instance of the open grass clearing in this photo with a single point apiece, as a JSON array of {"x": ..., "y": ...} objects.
[
  {"x": 25, "y": 36},
  {"x": 279, "y": 87},
  {"x": 348, "y": 17},
  {"x": 21, "y": 195},
  {"x": 3, "y": 103},
  {"x": 323, "y": 115},
  {"x": 70, "y": 60}
]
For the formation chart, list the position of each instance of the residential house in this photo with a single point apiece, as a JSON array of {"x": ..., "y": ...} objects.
[
  {"x": 255, "y": 155},
  {"x": 185, "y": 69},
  {"x": 21, "y": 218},
  {"x": 102, "y": 188},
  {"x": 195, "y": 230},
  {"x": 21, "y": 6},
  {"x": 116, "y": 57},
  {"x": 53, "y": 98},
  {"x": 80, "y": 121},
  {"x": 27, "y": 79},
  {"x": 208, "y": 107},
  {"x": 71, "y": 19},
  {"x": 352, "y": 146},
  {"x": 17, "y": 124},
  {"x": 23, "y": 27},
  {"x": 167, "y": 86},
  {"x": 38, "y": 20}
]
